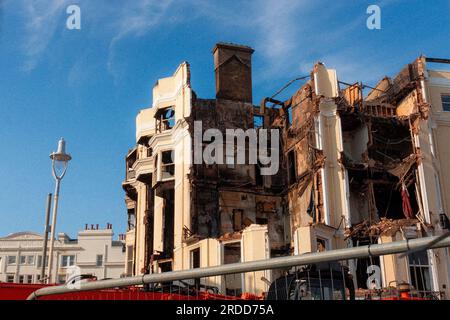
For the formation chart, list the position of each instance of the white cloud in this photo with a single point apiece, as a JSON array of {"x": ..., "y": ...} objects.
[
  {"x": 288, "y": 36},
  {"x": 41, "y": 20}
]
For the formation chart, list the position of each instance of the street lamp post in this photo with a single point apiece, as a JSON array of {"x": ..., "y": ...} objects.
[
  {"x": 46, "y": 230},
  {"x": 60, "y": 159}
]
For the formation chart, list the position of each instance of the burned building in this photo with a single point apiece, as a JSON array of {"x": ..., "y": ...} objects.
[
  {"x": 185, "y": 214},
  {"x": 357, "y": 165},
  {"x": 367, "y": 165}
]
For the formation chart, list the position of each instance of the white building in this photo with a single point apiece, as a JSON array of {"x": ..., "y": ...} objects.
[{"x": 94, "y": 252}]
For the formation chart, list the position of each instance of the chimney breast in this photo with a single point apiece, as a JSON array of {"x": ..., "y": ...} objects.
[{"x": 233, "y": 69}]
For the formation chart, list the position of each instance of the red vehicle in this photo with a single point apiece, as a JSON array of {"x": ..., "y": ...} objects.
[
  {"x": 179, "y": 290},
  {"x": 13, "y": 291}
]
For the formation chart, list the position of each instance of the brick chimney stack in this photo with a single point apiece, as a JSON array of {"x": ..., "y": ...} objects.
[{"x": 233, "y": 68}]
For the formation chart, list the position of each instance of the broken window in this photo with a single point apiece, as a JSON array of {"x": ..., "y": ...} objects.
[
  {"x": 263, "y": 210},
  {"x": 389, "y": 200},
  {"x": 131, "y": 219},
  {"x": 292, "y": 175},
  {"x": 419, "y": 269},
  {"x": 165, "y": 266},
  {"x": 149, "y": 152},
  {"x": 167, "y": 165},
  {"x": 165, "y": 119},
  {"x": 262, "y": 220},
  {"x": 289, "y": 116},
  {"x": 321, "y": 244},
  {"x": 446, "y": 102},
  {"x": 258, "y": 121},
  {"x": 390, "y": 142},
  {"x": 233, "y": 282}
]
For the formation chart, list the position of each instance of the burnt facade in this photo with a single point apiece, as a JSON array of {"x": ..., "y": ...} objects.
[{"x": 356, "y": 166}]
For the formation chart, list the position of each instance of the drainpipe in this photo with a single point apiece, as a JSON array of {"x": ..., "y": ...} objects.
[
  {"x": 105, "y": 258},
  {"x": 19, "y": 252}
]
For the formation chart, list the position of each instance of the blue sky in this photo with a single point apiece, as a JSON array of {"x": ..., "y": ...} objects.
[{"x": 87, "y": 85}]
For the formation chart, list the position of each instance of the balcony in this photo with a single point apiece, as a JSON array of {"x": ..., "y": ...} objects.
[
  {"x": 129, "y": 163},
  {"x": 130, "y": 175},
  {"x": 143, "y": 167}
]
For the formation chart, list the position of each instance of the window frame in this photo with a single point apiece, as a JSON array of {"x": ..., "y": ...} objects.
[
  {"x": 165, "y": 169},
  {"x": 165, "y": 121},
  {"x": 70, "y": 260},
  {"x": 98, "y": 262},
  {"x": 324, "y": 241},
  {"x": 194, "y": 254},
  {"x": 10, "y": 276},
  {"x": 30, "y": 260},
  {"x": 39, "y": 261},
  {"x": 445, "y": 103},
  {"x": 11, "y": 263},
  {"x": 420, "y": 268},
  {"x": 29, "y": 279}
]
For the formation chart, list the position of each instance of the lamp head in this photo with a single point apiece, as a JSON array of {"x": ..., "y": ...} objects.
[
  {"x": 60, "y": 159},
  {"x": 61, "y": 154}
]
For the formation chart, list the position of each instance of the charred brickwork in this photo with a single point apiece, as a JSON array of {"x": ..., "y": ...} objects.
[
  {"x": 228, "y": 198},
  {"x": 233, "y": 69}
]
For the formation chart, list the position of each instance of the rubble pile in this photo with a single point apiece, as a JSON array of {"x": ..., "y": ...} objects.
[{"x": 383, "y": 227}]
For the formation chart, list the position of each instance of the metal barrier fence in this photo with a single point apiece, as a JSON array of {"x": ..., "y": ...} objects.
[{"x": 316, "y": 276}]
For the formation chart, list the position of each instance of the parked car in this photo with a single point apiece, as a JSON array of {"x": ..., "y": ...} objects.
[{"x": 330, "y": 281}]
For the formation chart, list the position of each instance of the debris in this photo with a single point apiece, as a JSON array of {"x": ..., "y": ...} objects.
[{"x": 384, "y": 227}]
